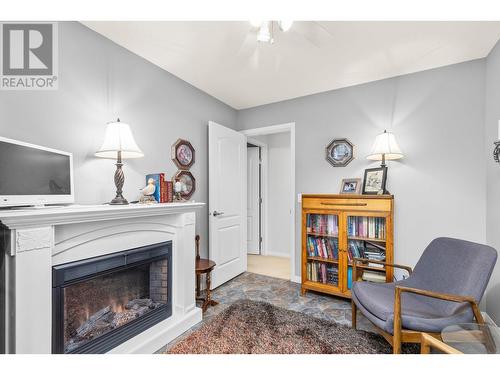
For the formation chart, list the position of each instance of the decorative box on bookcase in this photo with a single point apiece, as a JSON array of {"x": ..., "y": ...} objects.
[{"x": 338, "y": 228}]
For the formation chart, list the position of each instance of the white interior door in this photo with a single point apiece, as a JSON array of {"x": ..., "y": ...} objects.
[
  {"x": 227, "y": 196},
  {"x": 253, "y": 200}
]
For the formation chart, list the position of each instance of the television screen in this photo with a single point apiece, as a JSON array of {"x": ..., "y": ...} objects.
[{"x": 29, "y": 171}]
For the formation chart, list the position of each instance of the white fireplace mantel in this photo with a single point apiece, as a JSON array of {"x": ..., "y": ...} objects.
[{"x": 38, "y": 239}]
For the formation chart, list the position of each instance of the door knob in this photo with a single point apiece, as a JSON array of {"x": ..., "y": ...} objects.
[{"x": 215, "y": 213}]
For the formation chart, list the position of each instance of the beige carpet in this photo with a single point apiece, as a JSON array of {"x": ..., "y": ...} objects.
[{"x": 269, "y": 266}]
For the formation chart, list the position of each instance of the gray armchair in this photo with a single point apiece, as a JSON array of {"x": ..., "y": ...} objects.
[{"x": 444, "y": 289}]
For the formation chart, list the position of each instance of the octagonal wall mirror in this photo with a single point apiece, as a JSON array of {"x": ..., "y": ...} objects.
[
  {"x": 340, "y": 152},
  {"x": 183, "y": 154},
  {"x": 188, "y": 183}
]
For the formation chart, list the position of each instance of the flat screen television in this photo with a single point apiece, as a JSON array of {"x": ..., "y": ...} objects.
[{"x": 32, "y": 175}]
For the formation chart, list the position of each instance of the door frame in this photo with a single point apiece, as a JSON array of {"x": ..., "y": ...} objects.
[
  {"x": 263, "y": 192},
  {"x": 274, "y": 129}
]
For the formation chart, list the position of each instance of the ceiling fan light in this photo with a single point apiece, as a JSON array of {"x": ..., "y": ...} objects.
[
  {"x": 264, "y": 35},
  {"x": 285, "y": 25}
]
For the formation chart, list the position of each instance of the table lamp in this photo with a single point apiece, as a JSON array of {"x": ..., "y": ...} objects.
[
  {"x": 385, "y": 148},
  {"x": 119, "y": 144}
]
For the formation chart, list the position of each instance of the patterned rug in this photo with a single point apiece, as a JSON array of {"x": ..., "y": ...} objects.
[{"x": 252, "y": 327}]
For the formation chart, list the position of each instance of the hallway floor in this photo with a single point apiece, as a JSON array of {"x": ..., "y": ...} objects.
[{"x": 272, "y": 266}]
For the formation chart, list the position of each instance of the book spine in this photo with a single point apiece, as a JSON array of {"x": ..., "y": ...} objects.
[
  {"x": 163, "y": 188},
  {"x": 169, "y": 186}
]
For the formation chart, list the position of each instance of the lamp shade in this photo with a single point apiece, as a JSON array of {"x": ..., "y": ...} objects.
[
  {"x": 118, "y": 137},
  {"x": 385, "y": 144}
]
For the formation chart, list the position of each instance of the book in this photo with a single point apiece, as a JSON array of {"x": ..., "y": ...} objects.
[
  {"x": 375, "y": 277},
  {"x": 322, "y": 273},
  {"x": 366, "y": 227},
  {"x": 322, "y": 224},
  {"x": 169, "y": 187},
  {"x": 164, "y": 189}
]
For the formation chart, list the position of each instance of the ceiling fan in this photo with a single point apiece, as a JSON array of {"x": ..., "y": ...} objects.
[
  {"x": 264, "y": 33},
  {"x": 266, "y": 29},
  {"x": 313, "y": 31}
]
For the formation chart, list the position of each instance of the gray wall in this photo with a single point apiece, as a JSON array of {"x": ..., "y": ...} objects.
[
  {"x": 492, "y": 115},
  {"x": 438, "y": 120},
  {"x": 159, "y": 107}
]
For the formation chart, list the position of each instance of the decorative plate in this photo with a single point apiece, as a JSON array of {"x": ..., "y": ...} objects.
[
  {"x": 188, "y": 183},
  {"x": 340, "y": 152},
  {"x": 183, "y": 154}
]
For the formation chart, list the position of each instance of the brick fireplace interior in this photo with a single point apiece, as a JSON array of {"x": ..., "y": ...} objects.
[{"x": 102, "y": 302}]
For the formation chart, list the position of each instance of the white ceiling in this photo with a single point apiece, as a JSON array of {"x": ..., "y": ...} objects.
[{"x": 224, "y": 59}]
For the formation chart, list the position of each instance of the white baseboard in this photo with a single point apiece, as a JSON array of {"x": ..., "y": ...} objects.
[
  {"x": 272, "y": 254},
  {"x": 296, "y": 279}
]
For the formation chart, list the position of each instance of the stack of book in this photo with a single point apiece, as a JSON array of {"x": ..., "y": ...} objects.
[
  {"x": 366, "y": 227},
  {"x": 374, "y": 277},
  {"x": 164, "y": 192},
  {"x": 323, "y": 273},
  {"x": 366, "y": 249},
  {"x": 324, "y": 224},
  {"x": 323, "y": 247}
]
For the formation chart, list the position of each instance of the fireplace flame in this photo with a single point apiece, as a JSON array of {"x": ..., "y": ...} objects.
[{"x": 117, "y": 306}]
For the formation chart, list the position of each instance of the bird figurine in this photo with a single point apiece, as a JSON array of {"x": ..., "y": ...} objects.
[{"x": 148, "y": 191}]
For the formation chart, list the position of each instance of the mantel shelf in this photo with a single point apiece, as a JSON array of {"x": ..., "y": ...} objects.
[{"x": 32, "y": 217}]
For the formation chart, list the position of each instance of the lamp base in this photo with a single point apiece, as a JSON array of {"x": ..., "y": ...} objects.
[
  {"x": 119, "y": 181},
  {"x": 118, "y": 200}
]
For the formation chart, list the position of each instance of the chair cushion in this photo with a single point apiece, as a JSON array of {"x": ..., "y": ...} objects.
[
  {"x": 417, "y": 313},
  {"x": 379, "y": 300}
]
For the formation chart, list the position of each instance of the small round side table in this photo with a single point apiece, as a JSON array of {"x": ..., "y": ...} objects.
[{"x": 472, "y": 338}]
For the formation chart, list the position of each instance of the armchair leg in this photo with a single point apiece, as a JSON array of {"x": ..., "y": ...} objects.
[
  {"x": 353, "y": 317},
  {"x": 396, "y": 338},
  {"x": 396, "y": 344}
]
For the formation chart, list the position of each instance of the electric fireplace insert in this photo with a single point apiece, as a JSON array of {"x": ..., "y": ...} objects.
[{"x": 101, "y": 302}]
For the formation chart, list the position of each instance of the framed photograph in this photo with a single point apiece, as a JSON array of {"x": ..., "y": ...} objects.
[
  {"x": 183, "y": 154},
  {"x": 374, "y": 181},
  {"x": 350, "y": 186},
  {"x": 340, "y": 152},
  {"x": 188, "y": 183}
]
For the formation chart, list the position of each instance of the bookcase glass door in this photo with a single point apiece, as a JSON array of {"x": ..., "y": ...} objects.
[
  {"x": 366, "y": 238},
  {"x": 322, "y": 242}
]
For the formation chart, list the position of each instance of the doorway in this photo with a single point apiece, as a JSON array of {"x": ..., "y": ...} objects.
[
  {"x": 270, "y": 191},
  {"x": 227, "y": 197}
]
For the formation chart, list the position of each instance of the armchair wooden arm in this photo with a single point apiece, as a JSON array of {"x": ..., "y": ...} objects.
[
  {"x": 364, "y": 260},
  {"x": 427, "y": 342},
  {"x": 428, "y": 293}
]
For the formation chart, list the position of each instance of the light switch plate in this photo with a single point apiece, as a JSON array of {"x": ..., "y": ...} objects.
[{"x": 299, "y": 198}]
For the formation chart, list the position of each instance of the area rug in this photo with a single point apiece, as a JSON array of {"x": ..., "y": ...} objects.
[{"x": 252, "y": 327}]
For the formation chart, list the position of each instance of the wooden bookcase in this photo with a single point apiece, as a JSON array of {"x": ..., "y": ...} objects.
[{"x": 357, "y": 226}]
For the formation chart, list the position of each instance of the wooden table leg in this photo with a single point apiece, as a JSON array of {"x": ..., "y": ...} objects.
[
  {"x": 208, "y": 298},
  {"x": 197, "y": 285}
]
